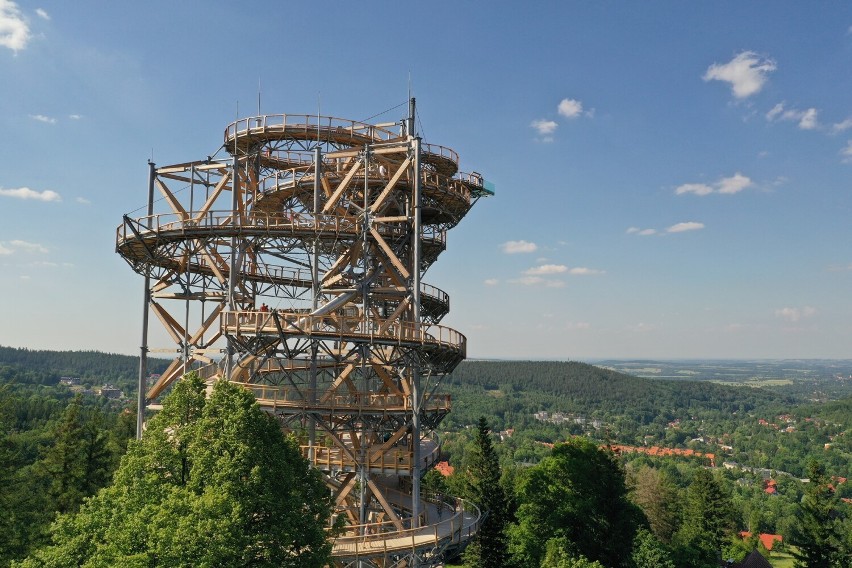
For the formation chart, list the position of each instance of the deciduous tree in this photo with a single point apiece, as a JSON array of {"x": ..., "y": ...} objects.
[{"x": 213, "y": 482}]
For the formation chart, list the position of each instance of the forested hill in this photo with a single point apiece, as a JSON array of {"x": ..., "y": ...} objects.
[
  {"x": 46, "y": 367},
  {"x": 525, "y": 386}
]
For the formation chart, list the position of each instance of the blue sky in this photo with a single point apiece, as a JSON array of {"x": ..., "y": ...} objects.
[{"x": 673, "y": 178}]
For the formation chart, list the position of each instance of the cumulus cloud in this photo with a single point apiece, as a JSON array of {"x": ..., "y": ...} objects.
[
  {"x": 491, "y": 282},
  {"x": 583, "y": 271},
  {"x": 43, "y": 118},
  {"x": 28, "y": 247},
  {"x": 516, "y": 247},
  {"x": 696, "y": 188},
  {"x": 847, "y": 153},
  {"x": 42, "y": 14},
  {"x": 729, "y": 185},
  {"x": 747, "y": 73},
  {"x": 683, "y": 227},
  {"x": 795, "y": 314},
  {"x": 14, "y": 29},
  {"x": 11, "y": 247},
  {"x": 641, "y": 232},
  {"x": 75, "y": 116},
  {"x": 27, "y": 193},
  {"x": 538, "y": 281},
  {"x": 82, "y": 201},
  {"x": 806, "y": 119},
  {"x": 546, "y": 269},
  {"x": 544, "y": 128},
  {"x": 570, "y": 108},
  {"x": 841, "y": 126},
  {"x": 734, "y": 184}
]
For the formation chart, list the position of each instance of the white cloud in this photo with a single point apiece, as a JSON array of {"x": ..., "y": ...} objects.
[
  {"x": 807, "y": 119},
  {"x": 641, "y": 232},
  {"x": 515, "y": 247},
  {"x": 538, "y": 281},
  {"x": 491, "y": 282},
  {"x": 27, "y": 193},
  {"x": 28, "y": 247},
  {"x": 734, "y": 184},
  {"x": 583, "y": 271},
  {"x": 847, "y": 153},
  {"x": 43, "y": 118},
  {"x": 841, "y": 126},
  {"x": 747, "y": 73},
  {"x": 546, "y": 269},
  {"x": 570, "y": 108},
  {"x": 577, "y": 325},
  {"x": 75, "y": 116},
  {"x": 729, "y": 185},
  {"x": 14, "y": 30},
  {"x": 795, "y": 314},
  {"x": 696, "y": 188},
  {"x": 82, "y": 200},
  {"x": 42, "y": 14},
  {"x": 544, "y": 127},
  {"x": 687, "y": 226},
  {"x": 5, "y": 251}
]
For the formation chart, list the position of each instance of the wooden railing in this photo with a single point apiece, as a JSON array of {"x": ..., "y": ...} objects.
[
  {"x": 381, "y": 538},
  {"x": 342, "y": 327}
]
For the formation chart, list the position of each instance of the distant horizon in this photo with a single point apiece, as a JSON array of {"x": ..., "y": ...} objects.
[{"x": 509, "y": 360}]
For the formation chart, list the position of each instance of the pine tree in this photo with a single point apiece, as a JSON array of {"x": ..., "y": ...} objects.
[
  {"x": 817, "y": 531},
  {"x": 709, "y": 519},
  {"x": 489, "y": 550}
]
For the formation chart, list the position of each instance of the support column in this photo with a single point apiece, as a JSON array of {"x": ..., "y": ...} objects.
[
  {"x": 415, "y": 368},
  {"x": 232, "y": 270},
  {"x": 315, "y": 291},
  {"x": 142, "y": 384}
]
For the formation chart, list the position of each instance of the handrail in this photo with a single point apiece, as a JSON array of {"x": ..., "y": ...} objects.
[
  {"x": 343, "y": 327},
  {"x": 291, "y": 396},
  {"x": 294, "y": 222},
  {"x": 463, "y": 524},
  {"x": 308, "y": 125}
]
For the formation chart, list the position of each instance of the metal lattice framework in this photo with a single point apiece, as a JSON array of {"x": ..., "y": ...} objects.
[{"x": 332, "y": 223}]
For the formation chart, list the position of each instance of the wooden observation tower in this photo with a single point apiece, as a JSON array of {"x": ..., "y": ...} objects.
[{"x": 292, "y": 265}]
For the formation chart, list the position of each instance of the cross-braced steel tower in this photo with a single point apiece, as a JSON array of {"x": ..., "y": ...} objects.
[{"x": 293, "y": 267}]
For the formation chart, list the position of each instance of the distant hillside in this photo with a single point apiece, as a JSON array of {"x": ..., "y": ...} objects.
[
  {"x": 515, "y": 386},
  {"x": 46, "y": 367}
]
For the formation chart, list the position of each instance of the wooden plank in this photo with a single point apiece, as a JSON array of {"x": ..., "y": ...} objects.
[
  {"x": 391, "y": 184},
  {"x": 335, "y": 197}
]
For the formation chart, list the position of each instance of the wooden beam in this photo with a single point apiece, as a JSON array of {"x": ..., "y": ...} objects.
[{"x": 335, "y": 197}]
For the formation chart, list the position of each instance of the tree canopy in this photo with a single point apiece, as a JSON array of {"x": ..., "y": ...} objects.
[
  {"x": 213, "y": 482},
  {"x": 578, "y": 494}
]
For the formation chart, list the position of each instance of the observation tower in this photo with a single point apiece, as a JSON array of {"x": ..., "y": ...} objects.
[{"x": 291, "y": 263}]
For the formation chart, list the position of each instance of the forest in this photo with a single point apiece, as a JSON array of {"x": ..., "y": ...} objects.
[{"x": 58, "y": 447}]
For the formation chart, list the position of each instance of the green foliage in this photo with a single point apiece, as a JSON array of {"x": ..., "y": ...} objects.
[
  {"x": 561, "y": 553},
  {"x": 482, "y": 482},
  {"x": 212, "y": 483},
  {"x": 709, "y": 520},
  {"x": 819, "y": 533},
  {"x": 579, "y": 494},
  {"x": 649, "y": 552}
]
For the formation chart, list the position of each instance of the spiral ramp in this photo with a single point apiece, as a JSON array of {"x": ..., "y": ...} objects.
[{"x": 292, "y": 266}]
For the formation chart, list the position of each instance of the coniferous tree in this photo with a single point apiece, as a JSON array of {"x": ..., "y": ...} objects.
[
  {"x": 709, "y": 520},
  {"x": 482, "y": 481},
  {"x": 817, "y": 531}
]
